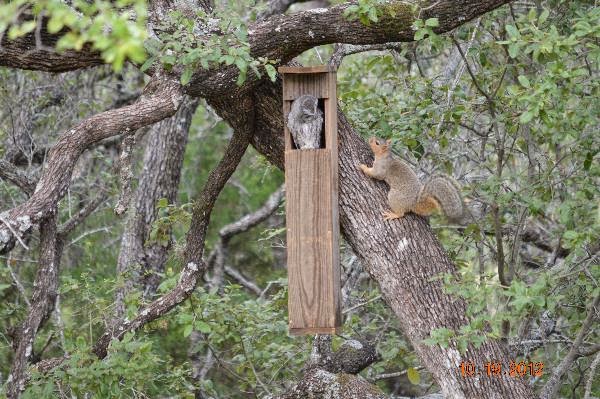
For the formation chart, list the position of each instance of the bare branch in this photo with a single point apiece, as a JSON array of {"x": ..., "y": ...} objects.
[
  {"x": 12, "y": 174},
  {"x": 244, "y": 281},
  {"x": 16, "y": 280},
  {"x": 83, "y": 213},
  {"x": 342, "y": 50},
  {"x": 248, "y": 221},
  {"x": 391, "y": 375}
]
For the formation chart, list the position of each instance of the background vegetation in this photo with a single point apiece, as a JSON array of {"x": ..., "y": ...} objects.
[{"x": 508, "y": 104}]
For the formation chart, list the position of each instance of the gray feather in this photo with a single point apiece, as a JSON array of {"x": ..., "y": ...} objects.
[{"x": 305, "y": 122}]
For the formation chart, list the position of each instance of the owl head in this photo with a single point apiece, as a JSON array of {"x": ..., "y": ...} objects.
[{"x": 309, "y": 108}]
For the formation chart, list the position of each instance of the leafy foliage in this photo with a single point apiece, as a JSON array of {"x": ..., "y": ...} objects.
[
  {"x": 116, "y": 29},
  {"x": 226, "y": 42}
]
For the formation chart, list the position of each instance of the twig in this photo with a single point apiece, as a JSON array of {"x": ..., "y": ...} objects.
[
  {"x": 250, "y": 285},
  {"x": 11, "y": 173},
  {"x": 87, "y": 233},
  {"x": 17, "y": 282},
  {"x": 590, "y": 379},
  {"x": 391, "y": 375},
  {"x": 553, "y": 384},
  {"x": 378, "y": 297},
  {"x": 83, "y": 213},
  {"x": 17, "y": 236},
  {"x": 59, "y": 322}
]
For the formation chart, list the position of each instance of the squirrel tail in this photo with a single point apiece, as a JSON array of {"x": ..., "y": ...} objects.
[{"x": 441, "y": 191}]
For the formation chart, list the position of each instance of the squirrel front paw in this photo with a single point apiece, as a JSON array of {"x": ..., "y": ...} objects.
[
  {"x": 363, "y": 167},
  {"x": 391, "y": 215}
]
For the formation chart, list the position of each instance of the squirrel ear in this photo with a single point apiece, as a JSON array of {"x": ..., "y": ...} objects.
[{"x": 388, "y": 141}]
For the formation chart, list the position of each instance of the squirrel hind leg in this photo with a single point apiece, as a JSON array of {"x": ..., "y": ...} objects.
[
  {"x": 390, "y": 215},
  {"x": 426, "y": 206}
]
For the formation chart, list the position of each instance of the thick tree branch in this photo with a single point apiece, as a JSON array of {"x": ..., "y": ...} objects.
[
  {"x": 23, "y": 53},
  {"x": 42, "y": 303},
  {"x": 160, "y": 99},
  {"x": 284, "y": 37},
  {"x": 321, "y": 384},
  {"x": 280, "y": 37}
]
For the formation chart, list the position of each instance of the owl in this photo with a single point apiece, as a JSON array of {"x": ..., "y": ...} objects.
[{"x": 305, "y": 122}]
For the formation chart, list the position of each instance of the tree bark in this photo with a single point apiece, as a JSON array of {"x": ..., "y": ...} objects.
[{"x": 42, "y": 303}]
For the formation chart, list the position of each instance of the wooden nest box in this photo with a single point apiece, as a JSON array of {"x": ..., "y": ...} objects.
[{"x": 311, "y": 181}]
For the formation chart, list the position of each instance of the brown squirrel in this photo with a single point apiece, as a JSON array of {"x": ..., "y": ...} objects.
[{"x": 407, "y": 194}]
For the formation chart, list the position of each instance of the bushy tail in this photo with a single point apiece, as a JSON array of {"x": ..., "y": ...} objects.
[{"x": 446, "y": 192}]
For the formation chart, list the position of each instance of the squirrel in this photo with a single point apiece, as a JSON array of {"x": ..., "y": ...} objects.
[{"x": 407, "y": 194}]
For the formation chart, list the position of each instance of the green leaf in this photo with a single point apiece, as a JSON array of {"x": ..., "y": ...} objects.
[
  {"x": 351, "y": 12},
  {"x": 432, "y": 22},
  {"x": 513, "y": 50},
  {"x": 570, "y": 235},
  {"x": 202, "y": 326},
  {"x": 373, "y": 14},
  {"x": 55, "y": 24},
  {"x": 241, "y": 78},
  {"x": 413, "y": 376},
  {"x": 229, "y": 59},
  {"x": 271, "y": 71},
  {"x": 186, "y": 76},
  {"x": 543, "y": 16},
  {"x": 187, "y": 330},
  {"x": 148, "y": 64},
  {"x": 526, "y": 117},
  {"x": 420, "y": 34},
  {"x": 242, "y": 64},
  {"x": 512, "y": 31},
  {"x": 524, "y": 81}
]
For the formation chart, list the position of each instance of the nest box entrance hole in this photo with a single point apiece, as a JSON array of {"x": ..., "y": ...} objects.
[{"x": 311, "y": 178}]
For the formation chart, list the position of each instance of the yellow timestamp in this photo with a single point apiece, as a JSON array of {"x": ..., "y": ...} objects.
[{"x": 497, "y": 369}]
